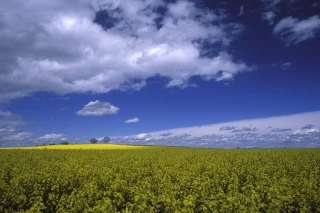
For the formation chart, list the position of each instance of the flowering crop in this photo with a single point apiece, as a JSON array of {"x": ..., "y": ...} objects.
[{"x": 160, "y": 179}]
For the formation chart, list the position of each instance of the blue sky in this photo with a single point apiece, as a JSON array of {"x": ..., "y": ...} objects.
[{"x": 85, "y": 69}]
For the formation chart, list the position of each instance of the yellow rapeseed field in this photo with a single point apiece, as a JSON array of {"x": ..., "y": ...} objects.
[
  {"x": 99, "y": 178},
  {"x": 86, "y": 146}
]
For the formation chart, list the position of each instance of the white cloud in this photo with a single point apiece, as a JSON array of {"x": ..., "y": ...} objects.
[
  {"x": 52, "y": 137},
  {"x": 63, "y": 109},
  {"x": 5, "y": 113},
  {"x": 286, "y": 131},
  {"x": 19, "y": 136},
  {"x": 98, "y": 108},
  {"x": 293, "y": 31},
  {"x": 62, "y": 50},
  {"x": 133, "y": 120},
  {"x": 241, "y": 12},
  {"x": 305, "y": 131},
  {"x": 286, "y": 65},
  {"x": 142, "y": 136},
  {"x": 100, "y": 139},
  {"x": 182, "y": 9},
  {"x": 268, "y": 16},
  {"x": 8, "y": 119},
  {"x": 12, "y": 136},
  {"x": 9, "y": 134},
  {"x": 271, "y": 3},
  {"x": 298, "y": 130}
]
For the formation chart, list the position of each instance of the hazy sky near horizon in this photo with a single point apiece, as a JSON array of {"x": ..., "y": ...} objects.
[{"x": 91, "y": 68}]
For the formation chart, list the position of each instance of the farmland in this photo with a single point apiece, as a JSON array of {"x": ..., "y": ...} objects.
[
  {"x": 158, "y": 179},
  {"x": 88, "y": 147}
]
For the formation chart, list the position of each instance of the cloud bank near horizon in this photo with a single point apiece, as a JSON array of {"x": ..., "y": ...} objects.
[{"x": 298, "y": 130}]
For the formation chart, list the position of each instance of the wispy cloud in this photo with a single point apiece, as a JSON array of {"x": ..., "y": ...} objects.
[
  {"x": 293, "y": 31},
  {"x": 133, "y": 120},
  {"x": 241, "y": 12},
  {"x": 98, "y": 108},
  {"x": 269, "y": 4},
  {"x": 9, "y": 119},
  {"x": 10, "y": 134},
  {"x": 269, "y": 17},
  {"x": 14, "y": 137},
  {"x": 52, "y": 137},
  {"x": 5, "y": 113},
  {"x": 63, "y": 109},
  {"x": 286, "y": 65}
]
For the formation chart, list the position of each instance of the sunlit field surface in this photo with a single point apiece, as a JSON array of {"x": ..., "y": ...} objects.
[
  {"x": 88, "y": 146},
  {"x": 158, "y": 179}
]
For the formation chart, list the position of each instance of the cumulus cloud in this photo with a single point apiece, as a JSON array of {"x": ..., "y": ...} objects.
[
  {"x": 103, "y": 45},
  {"x": 269, "y": 17},
  {"x": 52, "y": 137},
  {"x": 98, "y": 108},
  {"x": 133, "y": 120},
  {"x": 293, "y": 31}
]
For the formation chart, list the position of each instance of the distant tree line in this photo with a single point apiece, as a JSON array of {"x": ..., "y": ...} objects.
[
  {"x": 95, "y": 140},
  {"x": 52, "y": 144}
]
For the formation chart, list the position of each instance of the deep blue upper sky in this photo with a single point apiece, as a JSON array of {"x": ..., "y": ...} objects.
[{"x": 82, "y": 70}]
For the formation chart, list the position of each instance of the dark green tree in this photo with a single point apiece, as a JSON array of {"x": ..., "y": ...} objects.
[
  {"x": 106, "y": 140},
  {"x": 93, "y": 140}
]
